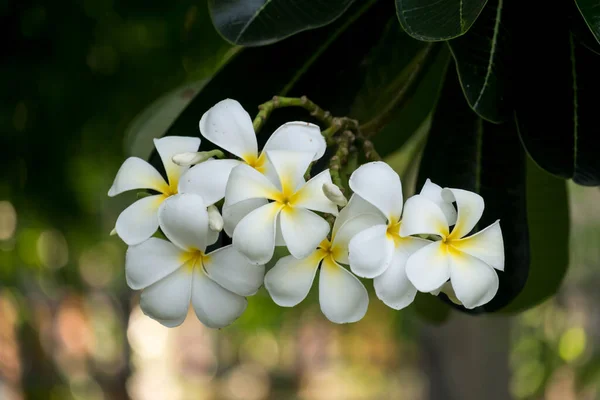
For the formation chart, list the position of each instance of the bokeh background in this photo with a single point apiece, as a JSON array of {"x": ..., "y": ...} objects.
[{"x": 73, "y": 75}]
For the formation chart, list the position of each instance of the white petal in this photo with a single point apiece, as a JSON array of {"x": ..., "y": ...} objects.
[
  {"x": 279, "y": 240},
  {"x": 184, "y": 221},
  {"x": 487, "y": 245},
  {"x": 167, "y": 147},
  {"x": 393, "y": 287},
  {"x": 298, "y": 136},
  {"x": 233, "y": 214},
  {"x": 139, "y": 221},
  {"x": 150, "y": 261},
  {"x": 229, "y": 126},
  {"x": 168, "y": 300},
  {"x": 343, "y": 298},
  {"x": 311, "y": 195},
  {"x": 428, "y": 268},
  {"x": 422, "y": 216},
  {"x": 230, "y": 269},
  {"x": 247, "y": 183},
  {"x": 371, "y": 251},
  {"x": 211, "y": 237},
  {"x": 350, "y": 229},
  {"x": 448, "y": 290},
  {"x": 356, "y": 206},
  {"x": 379, "y": 184},
  {"x": 254, "y": 236},
  {"x": 215, "y": 306},
  {"x": 136, "y": 173},
  {"x": 302, "y": 230},
  {"x": 208, "y": 179},
  {"x": 470, "y": 209},
  {"x": 434, "y": 193},
  {"x": 290, "y": 280},
  {"x": 474, "y": 282},
  {"x": 290, "y": 167}
]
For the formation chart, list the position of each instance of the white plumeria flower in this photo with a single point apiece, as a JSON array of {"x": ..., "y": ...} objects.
[
  {"x": 342, "y": 297},
  {"x": 380, "y": 252},
  {"x": 173, "y": 274},
  {"x": 229, "y": 126},
  {"x": 468, "y": 262},
  {"x": 254, "y": 220},
  {"x": 140, "y": 220}
]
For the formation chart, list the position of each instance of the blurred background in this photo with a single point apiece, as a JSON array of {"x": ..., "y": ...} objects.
[{"x": 73, "y": 76}]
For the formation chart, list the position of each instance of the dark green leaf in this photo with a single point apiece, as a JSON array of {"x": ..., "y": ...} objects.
[
  {"x": 556, "y": 110},
  {"x": 260, "y": 22},
  {"x": 547, "y": 210},
  {"x": 481, "y": 57},
  {"x": 590, "y": 10},
  {"x": 463, "y": 151},
  {"x": 434, "y": 20}
]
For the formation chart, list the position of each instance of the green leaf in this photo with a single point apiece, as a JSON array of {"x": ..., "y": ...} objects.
[
  {"x": 463, "y": 151},
  {"x": 481, "y": 57},
  {"x": 556, "y": 116},
  {"x": 261, "y": 22},
  {"x": 547, "y": 209},
  {"x": 590, "y": 10},
  {"x": 434, "y": 20}
]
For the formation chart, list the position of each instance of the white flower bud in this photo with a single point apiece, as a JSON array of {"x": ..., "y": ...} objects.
[
  {"x": 187, "y": 159},
  {"x": 113, "y": 232},
  {"x": 333, "y": 193},
  {"x": 215, "y": 220}
]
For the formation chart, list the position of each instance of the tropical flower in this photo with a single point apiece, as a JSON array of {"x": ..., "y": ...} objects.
[
  {"x": 342, "y": 297},
  {"x": 229, "y": 126},
  {"x": 139, "y": 221},
  {"x": 468, "y": 262},
  {"x": 254, "y": 220},
  {"x": 380, "y": 252},
  {"x": 173, "y": 274}
]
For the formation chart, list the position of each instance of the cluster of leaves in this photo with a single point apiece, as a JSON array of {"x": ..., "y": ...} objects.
[{"x": 511, "y": 113}]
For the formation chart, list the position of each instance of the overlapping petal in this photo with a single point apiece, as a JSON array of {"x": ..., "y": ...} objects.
[
  {"x": 434, "y": 193},
  {"x": 356, "y": 206},
  {"x": 136, "y": 173},
  {"x": 208, "y": 179},
  {"x": 353, "y": 226},
  {"x": 151, "y": 261},
  {"x": 229, "y": 126},
  {"x": 470, "y": 207},
  {"x": 393, "y": 286},
  {"x": 298, "y": 136},
  {"x": 231, "y": 270},
  {"x": 167, "y": 301},
  {"x": 247, "y": 183},
  {"x": 377, "y": 183},
  {"x": 474, "y": 282},
  {"x": 371, "y": 251},
  {"x": 254, "y": 236},
  {"x": 139, "y": 221},
  {"x": 215, "y": 306},
  {"x": 343, "y": 298},
  {"x": 311, "y": 195},
  {"x": 233, "y": 214},
  {"x": 423, "y": 216},
  {"x": 184, "y": 221},
  {"x": 167, "y": 147},
  {"x": 290, "y": 280},
  {"x": 487, "y": 245},
  {"x": 302, "y": 230},
  {"x": 290, "y": 167},
  {"x": 428, "y": 268}
]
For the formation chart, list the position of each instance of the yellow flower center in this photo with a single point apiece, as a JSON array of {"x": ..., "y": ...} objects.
[
  {"x": 393, "y": 231},
  {"x": 258, "y": 163},
  {"x": 194, "y": 258}
]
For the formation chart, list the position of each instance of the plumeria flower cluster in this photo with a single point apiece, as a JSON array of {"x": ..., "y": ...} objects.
[{"x": 261, "y": 200}]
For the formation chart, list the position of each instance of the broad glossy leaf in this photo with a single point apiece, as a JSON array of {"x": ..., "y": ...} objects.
[
  {"x": 556, "y": 110},
  {"x": 463, "y": 151},
  {"x": 260, "y": 22},
  {"x": 482, "y": 58},
  {"x": 434, "y": 20},
  {"x": 548, "y": 220},
  {"x": 590, "y": 10}
]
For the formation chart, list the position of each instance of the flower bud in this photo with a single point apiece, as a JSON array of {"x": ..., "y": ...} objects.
[
  {"x": 113, "y": 232},
  {"x": 187, "y": 159},
  {"x": 333, "y": 193},
  {"x": 215, "y": 220}
]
